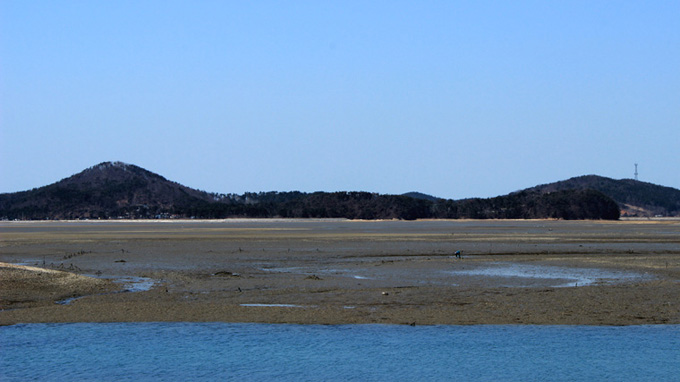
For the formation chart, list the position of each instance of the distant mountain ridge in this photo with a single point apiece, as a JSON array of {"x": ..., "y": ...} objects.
[{"x": 112, "y": 190}]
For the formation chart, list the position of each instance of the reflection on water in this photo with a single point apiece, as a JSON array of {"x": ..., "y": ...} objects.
[
  {"x": 504, "y": 274},
  {"x": 273, "y": 305},
  {"x": 135, "y": 284},
  {"x": 130, "y": 284},
  {"x": 561, "y": 276},
  {"x": 312, "y": 271}
]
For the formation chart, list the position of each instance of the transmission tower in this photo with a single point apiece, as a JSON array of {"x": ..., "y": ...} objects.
[{"x": 636, "y": 173}]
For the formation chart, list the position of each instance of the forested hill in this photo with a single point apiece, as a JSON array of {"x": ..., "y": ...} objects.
[
  {"x": 107, "y": 190},
  {"x": 635, "y": 198},
  {"x": 117, "y": 190}
]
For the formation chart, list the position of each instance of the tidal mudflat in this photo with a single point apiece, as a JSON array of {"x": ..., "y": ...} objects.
[{"x": 340, "y": 271}]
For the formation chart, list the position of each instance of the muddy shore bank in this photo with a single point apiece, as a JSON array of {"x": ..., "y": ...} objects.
[{"x": 336, "y": 272}]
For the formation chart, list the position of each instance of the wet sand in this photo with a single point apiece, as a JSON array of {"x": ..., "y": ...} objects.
[{"x": 337, "y": 272}]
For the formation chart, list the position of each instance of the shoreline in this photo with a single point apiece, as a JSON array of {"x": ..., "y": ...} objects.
[
  {"x": 280, "y": 220},
  {"x": 345, "y": 272}
]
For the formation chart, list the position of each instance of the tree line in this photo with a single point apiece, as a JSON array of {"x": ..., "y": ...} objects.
[
  {"x": 567, "y": 205},
  {"x": 134, "y": 200}
]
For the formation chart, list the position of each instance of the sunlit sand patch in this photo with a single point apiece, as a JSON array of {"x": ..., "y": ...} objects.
[
  {"x": 29, "y": 268},
  {"x": 130, "y": 283}
]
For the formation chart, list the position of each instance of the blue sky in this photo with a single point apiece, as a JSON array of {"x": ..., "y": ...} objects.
[{"x": 453, "y": 99}]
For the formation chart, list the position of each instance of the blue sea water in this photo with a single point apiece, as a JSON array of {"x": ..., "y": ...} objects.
[{"x": 264, "y": 352}]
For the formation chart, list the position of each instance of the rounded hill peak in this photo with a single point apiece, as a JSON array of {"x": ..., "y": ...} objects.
[{"x": 117, "y": 164}]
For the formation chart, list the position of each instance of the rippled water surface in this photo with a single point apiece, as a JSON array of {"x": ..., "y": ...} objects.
[{"x": 261, "y": 352}]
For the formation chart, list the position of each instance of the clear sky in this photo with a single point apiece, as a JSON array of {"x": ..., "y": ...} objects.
[{"x": 451, "y": 98}]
